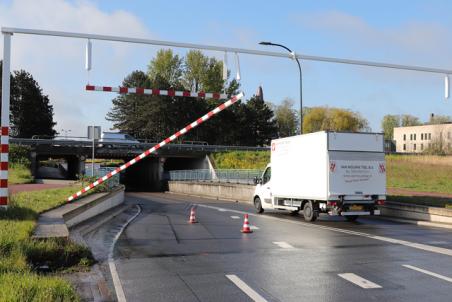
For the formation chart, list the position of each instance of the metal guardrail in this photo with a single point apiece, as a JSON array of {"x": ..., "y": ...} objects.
[
  {"x": 190, "y": 146},
  {"x": 218, "y": 175}
]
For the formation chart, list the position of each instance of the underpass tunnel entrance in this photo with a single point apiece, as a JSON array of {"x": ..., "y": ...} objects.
[{"x": 152, "y": 174}]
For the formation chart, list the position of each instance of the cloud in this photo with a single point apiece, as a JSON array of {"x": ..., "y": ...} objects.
[
  {"x": 58, "y": 63},
  {"x": 426, "y": 42}
]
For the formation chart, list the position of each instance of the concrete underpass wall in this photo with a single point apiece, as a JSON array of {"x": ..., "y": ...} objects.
[
  {"x": 236, "y": 192},
  {"x": 147, "y": 175}
]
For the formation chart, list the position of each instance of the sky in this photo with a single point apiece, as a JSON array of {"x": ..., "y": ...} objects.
[{"x": 401, "y": 32}]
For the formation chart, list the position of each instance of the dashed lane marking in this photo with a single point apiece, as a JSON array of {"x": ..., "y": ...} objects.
[
  {"x": 253, "y": 227},
  {"x": 235, "y": 217},
  {"x": 246, "y": 289},
  {"x": 283, "y": 245},
  {"x": 419, "y": 246},
  {"x": 360, "y": 281},
  {"x": 428, "y": 272}
]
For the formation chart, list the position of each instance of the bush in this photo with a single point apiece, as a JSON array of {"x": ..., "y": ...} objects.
[
  {"x": 19, "y": 154},
  {"x": 256, "y": 160}
]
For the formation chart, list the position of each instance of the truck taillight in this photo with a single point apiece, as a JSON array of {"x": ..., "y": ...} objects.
[
  {"x": 380, "y": 202},
  {"x": 331, "y": 203}
]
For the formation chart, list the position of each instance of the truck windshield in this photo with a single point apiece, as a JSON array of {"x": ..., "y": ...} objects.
[{"x": 267, "y": 175}]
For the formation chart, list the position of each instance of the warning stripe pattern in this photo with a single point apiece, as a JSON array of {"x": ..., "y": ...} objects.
[
  {"x": 159, "y": 145},
  {"x": 4, "y": 149},
  {"x": 137, "y": 90}
]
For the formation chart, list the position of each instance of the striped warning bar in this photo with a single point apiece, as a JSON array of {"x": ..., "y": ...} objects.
[
  {"x": 159, "y": 145},
  {"x": 4, "y": 149},
  {"x": 207, "y": 95}
]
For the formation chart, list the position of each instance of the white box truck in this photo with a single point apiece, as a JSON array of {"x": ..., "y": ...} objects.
[{"x": 336, "y": 173}]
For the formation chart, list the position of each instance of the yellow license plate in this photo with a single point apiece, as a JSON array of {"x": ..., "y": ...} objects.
[{"x": 356, "y": 208}]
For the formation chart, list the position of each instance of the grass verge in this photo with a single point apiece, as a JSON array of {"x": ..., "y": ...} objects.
[
  {"x": 19, "y": 174},
  {"x": 21, "y": 257}
]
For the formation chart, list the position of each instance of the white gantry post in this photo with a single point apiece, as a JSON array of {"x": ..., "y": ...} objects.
[{"x": 4, "y": 144}]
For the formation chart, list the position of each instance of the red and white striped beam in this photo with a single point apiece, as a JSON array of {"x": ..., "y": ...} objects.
[
  {"x": 159, "y": 145},
  {"x": 4, "y": 149},
  {"x": 137, "y": 90}
]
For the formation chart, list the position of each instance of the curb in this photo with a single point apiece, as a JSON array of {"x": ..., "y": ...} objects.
[{"x": 418, "y": 222}]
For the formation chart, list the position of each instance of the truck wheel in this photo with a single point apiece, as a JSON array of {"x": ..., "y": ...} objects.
[
  {"x": 308, "y": 212},
  {"x": 258, "y": 205},
  {"x": 351, "y": 218}
]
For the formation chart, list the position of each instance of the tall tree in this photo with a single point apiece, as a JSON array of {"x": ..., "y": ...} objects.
[
  {"x": 166, "y": 69},
  {"x": 30, "y": 110},
  {"x": 439, "y": 119},
  {"x": 388, "y": 124},
  {"x": 409, "y": 120},
  {"x": 286, "y": 118},
  {"x": 333, "y": 119},
  {"x": 260, "y": 122}
]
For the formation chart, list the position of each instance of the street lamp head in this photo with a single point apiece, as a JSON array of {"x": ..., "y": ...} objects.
[{"x": 265, "y": 43}]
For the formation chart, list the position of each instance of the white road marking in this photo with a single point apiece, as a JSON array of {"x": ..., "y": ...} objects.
[
  {"x": 253, "y": 227},
  {"x": 283, "y": 245},
  {"x": 111, "y": 262},
  {"x": 419, "y": 246},
  {"x": 221, "y": 210},
  {"x": 235, "y": 217},
  {"x": 428, "y": 272},
  {"x": 246, "y": 289},
  {"x": 361, "y": 282}
]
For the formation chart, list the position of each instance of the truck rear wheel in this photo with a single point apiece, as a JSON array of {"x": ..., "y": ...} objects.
[
  {"x": 351, "y": 218},
  {"x": 258, "y": 205},
  {"x": 308, "y": 212}
]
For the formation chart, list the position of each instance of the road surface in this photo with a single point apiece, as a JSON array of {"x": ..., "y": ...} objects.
[{"x": 160, "y": 257}]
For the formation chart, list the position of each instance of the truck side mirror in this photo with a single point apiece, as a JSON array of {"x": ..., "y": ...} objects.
[{"x": 257, "y": 180}]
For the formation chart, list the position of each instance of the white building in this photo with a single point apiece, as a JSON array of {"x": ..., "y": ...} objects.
[{"x": 415, "y": 139}]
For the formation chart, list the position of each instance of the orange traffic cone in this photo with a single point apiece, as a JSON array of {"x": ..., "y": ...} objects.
[
  {"x": 246, "y": 226},
  {"x": 192, "y": 216}
]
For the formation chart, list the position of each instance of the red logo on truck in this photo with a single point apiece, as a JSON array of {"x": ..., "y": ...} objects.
[
  {"x": 382, "y": 168},
  {"x": 273, "y": 147},
  {"x": 332, "y": 166}
]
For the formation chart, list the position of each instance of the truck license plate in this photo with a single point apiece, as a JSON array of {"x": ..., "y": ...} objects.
[{"x": 356, "y": 208}]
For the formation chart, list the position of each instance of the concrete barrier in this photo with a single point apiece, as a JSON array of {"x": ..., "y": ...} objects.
[
  {"x": 245, "y": 193},
  {"x": 416, "y": 212},
  {"x": 237, "y": 192},
  {"x": 55, "y": 222}
]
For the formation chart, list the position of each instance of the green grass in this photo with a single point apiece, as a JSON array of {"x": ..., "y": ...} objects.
[
  {"x": 19, "y": 174},
  {"x": 242, "y": 160},
  {"x": 20, "y": 255},
  {"x": 420, "y": 173}
]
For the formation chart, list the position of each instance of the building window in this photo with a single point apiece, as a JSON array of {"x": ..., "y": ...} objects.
[
  {"x": 404, "y": 137},
  {"x": 404, "y": 147},
  {"x": 411, "y": 137},
  {"x": 429, "y": 136},
  {"x": 422, "y": 136},
  {"x": 414, "y": 147},
  {"x": 414, "y": 136}
]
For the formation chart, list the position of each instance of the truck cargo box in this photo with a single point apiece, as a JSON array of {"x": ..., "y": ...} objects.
[{"x": 328, "y": 166}]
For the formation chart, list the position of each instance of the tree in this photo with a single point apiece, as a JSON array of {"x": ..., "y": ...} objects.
[
  {"x": 286, "y": 118},
  {"x": 407, "y": 120},
  {"x": 388, "y": 124},
  {"x": 439, "y": 119},
  {"x": 166, "y": 69},
  {"x": 333, "y": 119},
  {"x": 261, "y": 125},
  {"x": 30, "y": 110}
]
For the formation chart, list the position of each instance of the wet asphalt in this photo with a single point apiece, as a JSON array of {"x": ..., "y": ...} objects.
[{"x": 161, "y": 257}]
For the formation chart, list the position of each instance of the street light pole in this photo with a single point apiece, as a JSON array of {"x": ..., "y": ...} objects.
[{"x": 301, "y": 78}]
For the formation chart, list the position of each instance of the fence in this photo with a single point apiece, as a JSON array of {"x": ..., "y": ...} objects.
[
  {"x": 228, "y": 176},
  {"x": 101, "y": 171}
]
